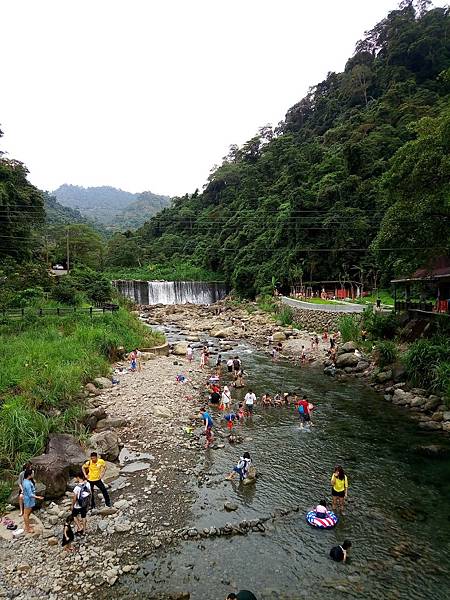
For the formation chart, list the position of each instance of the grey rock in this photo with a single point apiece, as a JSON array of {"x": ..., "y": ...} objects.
[
  {"x": 105, "y": 443},
  {"x": 111, "y": 423},
  {"x": 349, "y": 359},
  {"x": 230, "y": 506},
  {"x": 103, "y": 382}
]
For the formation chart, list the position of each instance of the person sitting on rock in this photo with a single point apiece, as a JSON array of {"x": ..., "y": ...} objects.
[
  {"x": 94, "y": 469},
  {"x": 242, "y": 468}
]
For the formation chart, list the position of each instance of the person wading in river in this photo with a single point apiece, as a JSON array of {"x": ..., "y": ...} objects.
[
  {"x": 242, "y": 595},
  {"x": 339, "y": 483}
]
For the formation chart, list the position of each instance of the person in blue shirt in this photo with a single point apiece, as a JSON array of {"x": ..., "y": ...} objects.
[
  {"x": 29, "y": 498},
  {"x": 208, "y": 422}
]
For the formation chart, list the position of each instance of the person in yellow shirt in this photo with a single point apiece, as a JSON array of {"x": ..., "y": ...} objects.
[
  {"x": 339, "y": 483},
  {"x": 94, "y": 469}
]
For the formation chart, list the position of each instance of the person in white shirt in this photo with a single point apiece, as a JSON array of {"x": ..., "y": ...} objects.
[
  {"x": 226, "y": 398},
  {"x": 189, "y": 353},
  {"x": 230, "y": 365},
  {"x": 249, "y": 400}
]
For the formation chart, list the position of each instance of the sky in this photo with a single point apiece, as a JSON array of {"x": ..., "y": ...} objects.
[{"x": 150, "y": 94}]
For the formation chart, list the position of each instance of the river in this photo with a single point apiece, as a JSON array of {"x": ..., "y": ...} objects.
[{"x": 398, "y": 514}]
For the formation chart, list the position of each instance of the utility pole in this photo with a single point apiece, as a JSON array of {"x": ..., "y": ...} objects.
[{"x": 67, "y": 251}]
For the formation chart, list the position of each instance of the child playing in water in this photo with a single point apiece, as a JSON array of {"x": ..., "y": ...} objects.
[
  {"x": 242, "y": 467},
  {"x": 189, "y": 353},
  {"x": 339, "y": 553},
  {"x": 321, "y": 510},
  {"x": 208, "y": 422}
]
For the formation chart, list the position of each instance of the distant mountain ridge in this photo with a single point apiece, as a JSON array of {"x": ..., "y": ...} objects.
[
  {"x": 57, "y": 214},
  {"x": 112, "y": 207}
]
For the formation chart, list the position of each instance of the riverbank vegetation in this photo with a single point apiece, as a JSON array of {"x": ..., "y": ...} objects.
[
  {"x": 426, "y": 361},
  {"x": 353, "y": 185},
  {"x": 170, "y": 271},
  {"x": 44, "y": 363}
]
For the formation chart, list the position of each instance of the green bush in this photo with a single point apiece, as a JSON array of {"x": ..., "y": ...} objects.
[
  {"x": 441, "y": 380},
  {"x": 267, "y": 303},
  {"x": 387, "y": 353},
  {"x": 349, "y": 327},
  {"x": 5, "y": 491},
  {"x": 66, "y": 292},
  {"x": 424, "y": 360},
  {"x": 285, "y": 316},
  {"x": 380, "y": 326}
]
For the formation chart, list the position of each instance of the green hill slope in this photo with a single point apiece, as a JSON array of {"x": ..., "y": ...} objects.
[
  {"x": 111, "y": 207},
  {"x": 354, "y": 183}
]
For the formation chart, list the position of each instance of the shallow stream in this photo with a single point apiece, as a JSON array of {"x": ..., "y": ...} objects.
[{"x": 398, "y": 514}]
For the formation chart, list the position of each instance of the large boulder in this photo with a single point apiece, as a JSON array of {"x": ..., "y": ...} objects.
[
  {"x": 349, "y": 359},
  {"x": 63, "y": 458},
  {"x": 384, "y": 376},
  {"x": 180, "y": 349},
  {"x": 348, "y": 347},
  {"x": 446, "y": 415},
  {"x": 432, "y": 403},
  {"x": 103, "y": 382},
  {"x": 111, "y": 423},
  {"x": 92, "y": 416},
  {"x": 222, "y": 332},
  {"x": 162, "y": 411},
  {"x": 106, "y": 443},
  {"x": 279, "y": 336}
]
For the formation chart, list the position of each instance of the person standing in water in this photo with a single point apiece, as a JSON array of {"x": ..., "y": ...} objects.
[
  {"x": 339, "y": 553},
  {"x": 189, "y": 353},
  {"x": 208, "y": 422},
  {"x": 241, "y": 595},
  {"x": 339, "y": 483},
  {"x": 226, "y": 398},
  {"x": 249, "y": 400}
]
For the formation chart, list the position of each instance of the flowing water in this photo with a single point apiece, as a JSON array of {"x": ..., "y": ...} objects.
[
  {"x": 171, "y": 292},
  {"x": 398, "y": 514}
]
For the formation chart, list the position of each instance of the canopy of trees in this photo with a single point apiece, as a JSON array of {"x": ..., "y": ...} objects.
[{"x": 352, "y": 184}]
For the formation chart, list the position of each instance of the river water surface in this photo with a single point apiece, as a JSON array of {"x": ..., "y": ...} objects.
[{"x": 398, "y": 515}]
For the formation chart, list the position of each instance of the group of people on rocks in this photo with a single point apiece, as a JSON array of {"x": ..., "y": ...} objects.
[{"x": 90, "y": 476}]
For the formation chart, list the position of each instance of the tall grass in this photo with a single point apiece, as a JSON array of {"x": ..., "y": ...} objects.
[
  {"x": 349, "y": 326},
  {"x": 44, "y": 363},
  {"x": 387, "y": 353},
  {"x": 425, "y": 363},
  {"x": 285, "y": 316}
]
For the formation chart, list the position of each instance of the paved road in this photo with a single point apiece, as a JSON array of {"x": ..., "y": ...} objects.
[{"x": 344, "y": 308}]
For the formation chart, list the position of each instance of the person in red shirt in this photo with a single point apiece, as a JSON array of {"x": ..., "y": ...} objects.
[{"x": 303, "y": 412}]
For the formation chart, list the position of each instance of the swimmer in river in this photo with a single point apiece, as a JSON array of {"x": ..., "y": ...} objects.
[{"x": 339, "y": 553}]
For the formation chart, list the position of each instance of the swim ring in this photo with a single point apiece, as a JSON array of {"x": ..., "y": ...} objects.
[{"x": 326, "y": 523}]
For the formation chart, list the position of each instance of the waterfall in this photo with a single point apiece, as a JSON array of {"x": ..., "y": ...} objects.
[{"x": 171, "y": 292}]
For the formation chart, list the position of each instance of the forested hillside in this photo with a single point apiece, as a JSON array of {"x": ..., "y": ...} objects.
[
  {"x": 354, "y": 183},
  {"x": 57, "y": 214},
  {"x": 116, "y": 209}
]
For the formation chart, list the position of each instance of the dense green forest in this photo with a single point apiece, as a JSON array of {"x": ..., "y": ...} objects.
[
  {"x": 111, "y": 208},
  {"x": 354, "y": 183}
]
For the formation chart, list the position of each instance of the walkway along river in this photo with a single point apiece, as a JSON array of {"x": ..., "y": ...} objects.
[{"x": 398, "y": 515}]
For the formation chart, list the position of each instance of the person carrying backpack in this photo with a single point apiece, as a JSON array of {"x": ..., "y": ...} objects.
[{"x": 80, "y": 502}]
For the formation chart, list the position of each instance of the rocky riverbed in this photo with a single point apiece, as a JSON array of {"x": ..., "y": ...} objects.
[{"x": 148, "y": 491}]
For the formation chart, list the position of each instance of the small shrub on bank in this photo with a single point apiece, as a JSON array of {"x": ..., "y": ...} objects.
[
  {"x": 380, "y": 326},
  {"x": 386, "y": 353},
  {"x": 349, "y": 327},
  {"x": 285, "y": 316},
  {"x": 424, "y": 360}
]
